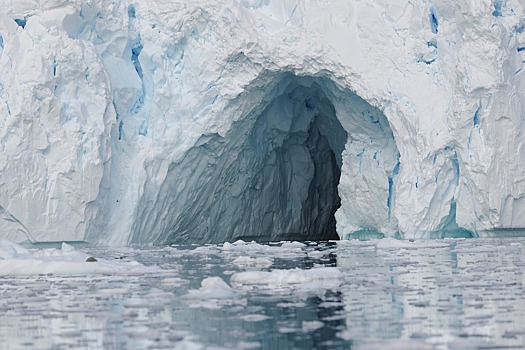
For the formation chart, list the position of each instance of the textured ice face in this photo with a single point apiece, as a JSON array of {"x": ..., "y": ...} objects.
[
  {"x": 151, "y": 122},
  {"x": 275, "y": 174}
]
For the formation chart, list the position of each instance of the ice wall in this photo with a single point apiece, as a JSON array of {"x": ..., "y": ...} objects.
[{"x": 149, "y": 121}]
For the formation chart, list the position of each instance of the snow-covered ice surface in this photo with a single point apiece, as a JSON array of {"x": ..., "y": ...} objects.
[{"x": 376, "y": 294}]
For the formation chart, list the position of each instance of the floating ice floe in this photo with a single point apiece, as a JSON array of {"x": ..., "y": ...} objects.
[
  {"x": 287, "y": 250},
  {"x": 392, "y": 243},
  {"x": 250, "y": 262},
  {"x": 320, "y": 278},
  {"x": 17, "y": 260},
  {"x": 214, "y": 293}
]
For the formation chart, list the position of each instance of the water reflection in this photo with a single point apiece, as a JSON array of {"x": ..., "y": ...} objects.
[
  {"x": 426, "y": 294},
  {"x": 447, "y": 294}
]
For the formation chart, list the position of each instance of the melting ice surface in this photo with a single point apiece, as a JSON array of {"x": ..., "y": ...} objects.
[{"x": 377, "y": 294}]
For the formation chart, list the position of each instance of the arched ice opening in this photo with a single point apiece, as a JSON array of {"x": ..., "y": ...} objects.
[{"x": 276, "y": 174}]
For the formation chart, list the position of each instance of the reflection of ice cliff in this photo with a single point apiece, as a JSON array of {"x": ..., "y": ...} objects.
[
  {"x": 460, "y": 292},
  {"x": 171, "y": 121}
]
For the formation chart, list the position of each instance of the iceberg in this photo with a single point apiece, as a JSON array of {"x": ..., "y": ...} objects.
[{"x": 152, "y": 122}]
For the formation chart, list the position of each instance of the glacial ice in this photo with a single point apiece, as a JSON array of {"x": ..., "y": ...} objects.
[
  {"x": 16, "y": 260},
  {"x": 151, "y": 122}
]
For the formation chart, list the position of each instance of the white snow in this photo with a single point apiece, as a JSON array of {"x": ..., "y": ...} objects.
[{"x": 174, "y": 121}]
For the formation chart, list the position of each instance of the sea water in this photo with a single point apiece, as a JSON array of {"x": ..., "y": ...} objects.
[{"x": 376, "y": 294}]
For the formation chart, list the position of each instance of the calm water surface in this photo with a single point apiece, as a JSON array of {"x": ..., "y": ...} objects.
[{"x": 451, "y": 294}]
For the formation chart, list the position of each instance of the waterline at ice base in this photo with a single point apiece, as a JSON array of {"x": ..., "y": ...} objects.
[{"x": 153, "y": 122}]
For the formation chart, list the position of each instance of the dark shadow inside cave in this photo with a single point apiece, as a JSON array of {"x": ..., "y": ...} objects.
[{"x": 299, "y": 180}]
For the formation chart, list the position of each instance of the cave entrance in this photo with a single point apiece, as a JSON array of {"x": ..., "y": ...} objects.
[
  {"x": 273, "y": 177},
  {"x": 276, "y": 173}
]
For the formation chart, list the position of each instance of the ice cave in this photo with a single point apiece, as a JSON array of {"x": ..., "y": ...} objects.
[
  {"x": 175, "y": 174},
  {"x": 275, "y": 174},
  {"x": 129, "y": 122}
]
